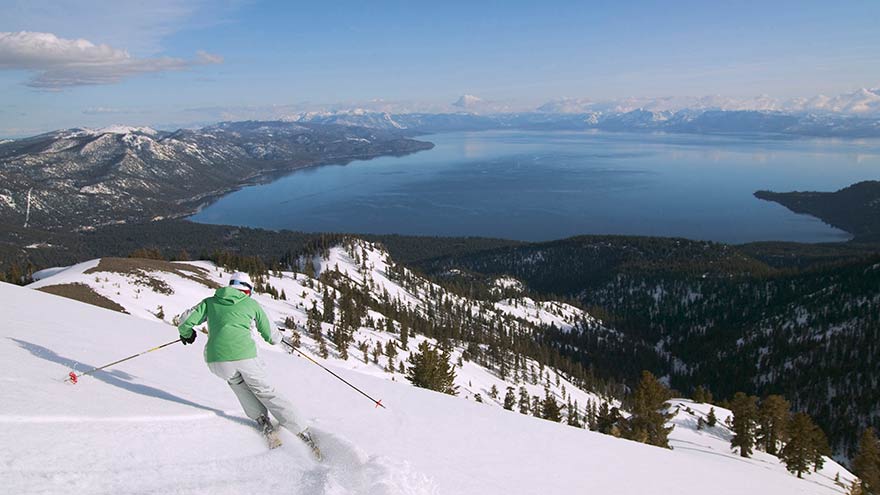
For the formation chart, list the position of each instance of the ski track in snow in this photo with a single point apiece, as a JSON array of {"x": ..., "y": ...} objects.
[{"x": 346, "y": 469}]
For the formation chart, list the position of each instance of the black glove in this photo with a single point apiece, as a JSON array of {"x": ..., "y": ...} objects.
[{"x": 190, "y": 339}]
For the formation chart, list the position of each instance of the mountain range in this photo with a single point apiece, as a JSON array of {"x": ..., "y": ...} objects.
[{"x": 694, "y": 121}]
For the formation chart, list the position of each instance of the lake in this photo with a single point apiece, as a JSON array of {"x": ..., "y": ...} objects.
[{"x": 549, "y": 185}]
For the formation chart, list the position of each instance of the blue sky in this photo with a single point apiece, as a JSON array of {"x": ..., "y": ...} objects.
[{"x": 183, "y": 62}]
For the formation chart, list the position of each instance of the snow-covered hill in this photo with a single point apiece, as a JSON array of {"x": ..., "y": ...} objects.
[
  {"x": 150, "y": 289},
  {"x": 83, "y": 178},
  {"x": 163, "y": 424}
]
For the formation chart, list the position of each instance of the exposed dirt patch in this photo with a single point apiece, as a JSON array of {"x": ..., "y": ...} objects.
[
  {"x": 82, "y": 293},
  {"x": 139, "y": 269}
]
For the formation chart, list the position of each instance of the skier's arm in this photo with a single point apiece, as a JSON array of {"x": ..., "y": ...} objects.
[
  {"x": 195, "y": 316},
  {"x": 268, "y": 333}
]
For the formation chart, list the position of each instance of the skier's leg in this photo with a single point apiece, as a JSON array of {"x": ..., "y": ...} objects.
[
  {"x": 251, "y": 404},
  {"x": 254, "y": 375},
  {"x": 226, "y": 370}
]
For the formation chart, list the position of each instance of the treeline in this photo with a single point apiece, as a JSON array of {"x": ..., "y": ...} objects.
[
  {"x": 170, "y": 237},
  {"x": 812, "y": 336},
  {"x": 770, "y": 318}
]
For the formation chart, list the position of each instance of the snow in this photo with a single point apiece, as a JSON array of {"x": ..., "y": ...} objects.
[
  {"x": 509, "y": 283},
  {"x": 133, "y": 293},
  {"x": 7, "y": 200},
  {"x": 124, "y": 129},
  {"x": 716, "y": 441},
  {"x": 39, "y": 245},
  {"x": 162, "y": 423}
]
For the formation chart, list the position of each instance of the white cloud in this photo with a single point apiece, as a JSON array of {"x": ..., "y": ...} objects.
[
  {"x": 142, "y": 27},
  {"x": 58, "y": 62}
]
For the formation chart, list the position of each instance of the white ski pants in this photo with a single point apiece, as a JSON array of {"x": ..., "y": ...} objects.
[{"x": 248, "y": 380}]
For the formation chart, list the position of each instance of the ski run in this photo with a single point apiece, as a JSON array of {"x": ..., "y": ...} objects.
[{"x": 162, "y": 423}]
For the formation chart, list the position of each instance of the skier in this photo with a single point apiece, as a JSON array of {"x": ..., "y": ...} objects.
[{"x": 231, "y": 354}]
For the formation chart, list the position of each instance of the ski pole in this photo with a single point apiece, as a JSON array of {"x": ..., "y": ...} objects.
[
  {"x": 377, "y": 402},
  {"x": 73, "y": 377}
]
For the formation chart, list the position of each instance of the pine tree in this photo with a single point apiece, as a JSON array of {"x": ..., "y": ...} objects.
[
  {"x": 711, "y": 419},
  {"x": 328, "y": 304},
  {"x": 866, "y": 463},
  {"x": 799, "y": 451},
  {"x": 550, "y": 408},
  {"x": 313, "y": 324},
  {"x": 524, "y": 401},
  {"x": 573, "y": 415},
  {"x": 404, "y": 336},
  {"x": 509, "y": 399},
  {"x": 429, "y": 368},
  {"x": 591, "y": 414},
  {"x": 377, "y": 351},
  {"x": 536, "y": 407},
  {"x": 365, "y": 349},
  {"x": 772, "y": 421},
  {"x": 390, "y": 349},
  {"x": 608, "y": 420},
  {"x": 821, "y": 449},
  {"x": 649, "y": 416},
  {"x": 745, "y": 413}
]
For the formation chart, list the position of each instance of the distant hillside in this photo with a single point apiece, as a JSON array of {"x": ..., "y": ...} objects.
[
  {"x": 855, "y": 209},
  {"x": 80, "y": 179}
]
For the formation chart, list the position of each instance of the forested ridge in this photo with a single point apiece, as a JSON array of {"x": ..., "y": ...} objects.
[{"x": 716, "y": 315}]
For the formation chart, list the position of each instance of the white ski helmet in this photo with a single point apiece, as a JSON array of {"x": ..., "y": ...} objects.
[{"x": 242, "y": 282}]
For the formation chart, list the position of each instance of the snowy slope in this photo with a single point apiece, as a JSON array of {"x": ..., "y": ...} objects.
[
  {"x": 133, "y": 292},
  {"x": 163, "y": 424}
]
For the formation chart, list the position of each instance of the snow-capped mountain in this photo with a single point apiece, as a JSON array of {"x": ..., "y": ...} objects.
[
  {"x": 466, "y": 102},
  {"x": 133, "y": 427},
  {"x": 705, "y": 118},
  {"x": 81, "y": 178},
  {"x": 356, "y": 117}
]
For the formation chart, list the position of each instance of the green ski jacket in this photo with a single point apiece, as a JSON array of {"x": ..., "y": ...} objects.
[{"x": 229, "y": 313}]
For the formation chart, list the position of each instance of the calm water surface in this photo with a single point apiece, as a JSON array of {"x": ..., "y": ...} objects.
[{"x": 550, "y": 185}]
